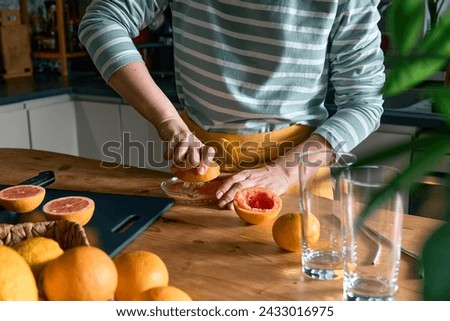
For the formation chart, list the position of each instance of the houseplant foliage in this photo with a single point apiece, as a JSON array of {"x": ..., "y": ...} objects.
[{"x": 418, "y": 58}]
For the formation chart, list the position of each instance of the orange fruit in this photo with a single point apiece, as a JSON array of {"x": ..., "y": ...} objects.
[
  {"x": 165, "y": 293},
  {"x": 139, "y": 271},
  {"x": 22, "y": 198},
  {"x": 79, "y": 209},
  {"x": 17, "y": 282},
  {"x": 191, "y": 175},
  {"x": 82, "y": 273},
  {"x": 256, "y": 205},
  {"x": 287, "y": 231}
]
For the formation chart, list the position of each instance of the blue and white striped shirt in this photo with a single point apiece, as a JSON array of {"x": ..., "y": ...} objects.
[{"x": 252, "y": 66}]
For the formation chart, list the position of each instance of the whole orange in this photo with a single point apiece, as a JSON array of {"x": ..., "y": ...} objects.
[
  {"x": 82, "y": 273},
  {"x": 165, "y": 293},
  {"x": 287, "y": 231},
  {"x": 139, "y": 271}
]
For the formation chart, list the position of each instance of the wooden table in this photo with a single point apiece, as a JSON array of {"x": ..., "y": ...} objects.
[{"x": 210, "y": 253}]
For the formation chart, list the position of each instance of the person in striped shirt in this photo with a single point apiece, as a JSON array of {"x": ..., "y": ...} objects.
[{"x": 251, "y": 76}]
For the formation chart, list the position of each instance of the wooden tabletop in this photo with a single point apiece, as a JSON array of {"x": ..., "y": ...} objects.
[{"x": 209, "y": 252}]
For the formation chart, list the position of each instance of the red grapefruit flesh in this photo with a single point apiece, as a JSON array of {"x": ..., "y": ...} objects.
[
  {"x": 79, "y": 209},
  {"x": 256, "y": 205},
  {"x": 22, "y": 198}
]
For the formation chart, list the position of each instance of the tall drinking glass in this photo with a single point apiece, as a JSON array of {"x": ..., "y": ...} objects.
[
  {"x": 371, "y": 246},
  {"x": 320, "y": 212}
]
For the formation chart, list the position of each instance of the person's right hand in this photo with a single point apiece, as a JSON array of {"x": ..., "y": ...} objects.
[{"x": 183, "y": 147}]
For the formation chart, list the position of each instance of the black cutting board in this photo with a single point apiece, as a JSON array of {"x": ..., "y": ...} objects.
[{"x": 117, "y": 220}]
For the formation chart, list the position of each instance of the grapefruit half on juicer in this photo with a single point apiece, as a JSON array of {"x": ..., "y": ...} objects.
[{"x": 79, "y": 209}]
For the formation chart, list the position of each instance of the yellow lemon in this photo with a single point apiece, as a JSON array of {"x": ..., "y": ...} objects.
[
  {"x": 38, "y": 251},
  {"x": 17, "y": 282}
]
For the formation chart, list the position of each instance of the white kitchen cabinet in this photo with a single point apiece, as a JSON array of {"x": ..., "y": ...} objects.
[
  {"x": 142, "y": 146},
  {"x": 14, "y": 130},
  {"x": 386, "y": 136},
  {"x": 53, "y": 124},
  {"x": 99, "y": 130}
]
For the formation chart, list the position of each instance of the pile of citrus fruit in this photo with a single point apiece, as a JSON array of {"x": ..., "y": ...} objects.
[{"x": 38, "y": 269}]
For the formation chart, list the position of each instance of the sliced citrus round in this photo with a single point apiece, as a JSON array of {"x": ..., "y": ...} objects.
[
  {"x": 191, "y": 175},
  {"x": 22, "y": 198},
  {"x": 79, "y": 209},
  {"x": 81, "y": 273},
  {"x": 287, "y": 231},
  {"x": 165, "y": 293},
  {"x": 256, "y": 205},
  {"x": 139, "y": 271}
]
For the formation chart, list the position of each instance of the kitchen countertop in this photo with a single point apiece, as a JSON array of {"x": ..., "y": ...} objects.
[
  {"x": 209, "y": 252},
  {"x": 42, "y": 85}
]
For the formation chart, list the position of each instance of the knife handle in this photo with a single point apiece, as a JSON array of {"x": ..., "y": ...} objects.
[{"x": 42, "y": 179}]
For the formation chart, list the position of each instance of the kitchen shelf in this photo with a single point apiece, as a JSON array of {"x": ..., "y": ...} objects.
[
  {"x": 57, "y": 55},
  {"x": 62, "y": 54}
]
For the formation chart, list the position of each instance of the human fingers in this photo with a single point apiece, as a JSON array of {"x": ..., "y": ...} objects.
[
  {"x": 231, "y": 186},
  {"x": 207, "y": 156}
]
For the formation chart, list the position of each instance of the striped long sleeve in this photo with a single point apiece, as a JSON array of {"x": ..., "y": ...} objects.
[{"x": 255, "y": 66}]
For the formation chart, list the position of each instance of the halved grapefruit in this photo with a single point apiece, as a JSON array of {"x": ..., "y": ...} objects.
[
  {"x": 191, "y": 175},
  {"x": 22, "y": 198},
  {"x": 256, "y": 205},
  {"x": 79, "y": 209}
]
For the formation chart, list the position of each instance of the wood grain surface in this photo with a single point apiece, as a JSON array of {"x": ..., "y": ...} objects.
[{"x": 210, "y": 253}]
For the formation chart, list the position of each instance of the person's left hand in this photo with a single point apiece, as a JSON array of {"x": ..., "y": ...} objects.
[{"x": 273, "y": 177}]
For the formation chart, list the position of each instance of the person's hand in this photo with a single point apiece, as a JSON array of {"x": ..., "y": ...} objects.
[
  {"x": 278, "y": 176},
  {"x": 273, "y": 177},
  {"x": 183, "y": 147}
]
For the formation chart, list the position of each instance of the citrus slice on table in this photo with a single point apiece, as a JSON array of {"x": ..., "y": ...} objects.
[
  {"x": 256, "y": 205},
  {"x": 22, "y": 198},
  {"x": 79, "y": 209},
  {"x": 191, "y": 175}
]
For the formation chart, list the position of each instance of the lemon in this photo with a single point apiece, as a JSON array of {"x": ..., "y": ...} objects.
[
  {"x": 17, "y": 282},
  {"x": 37, "y": 252}
]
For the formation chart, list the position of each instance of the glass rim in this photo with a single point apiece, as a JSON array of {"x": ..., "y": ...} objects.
[{"x": 393, "y": 171}]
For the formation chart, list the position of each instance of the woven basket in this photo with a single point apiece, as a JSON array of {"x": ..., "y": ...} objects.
[{"x": 68, "y": 234}]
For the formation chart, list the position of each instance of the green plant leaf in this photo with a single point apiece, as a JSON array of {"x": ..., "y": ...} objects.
[
  {"x": 441, "y": 99},
  {"x": 410, "y": 72},
  {"x": 436, "y": 260},
  {"x": 426, "y": 161},
  {"x": 420, "y": 143},
  {"x": 437, "y": 41},
  {"x": 405, "y": 21}
]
